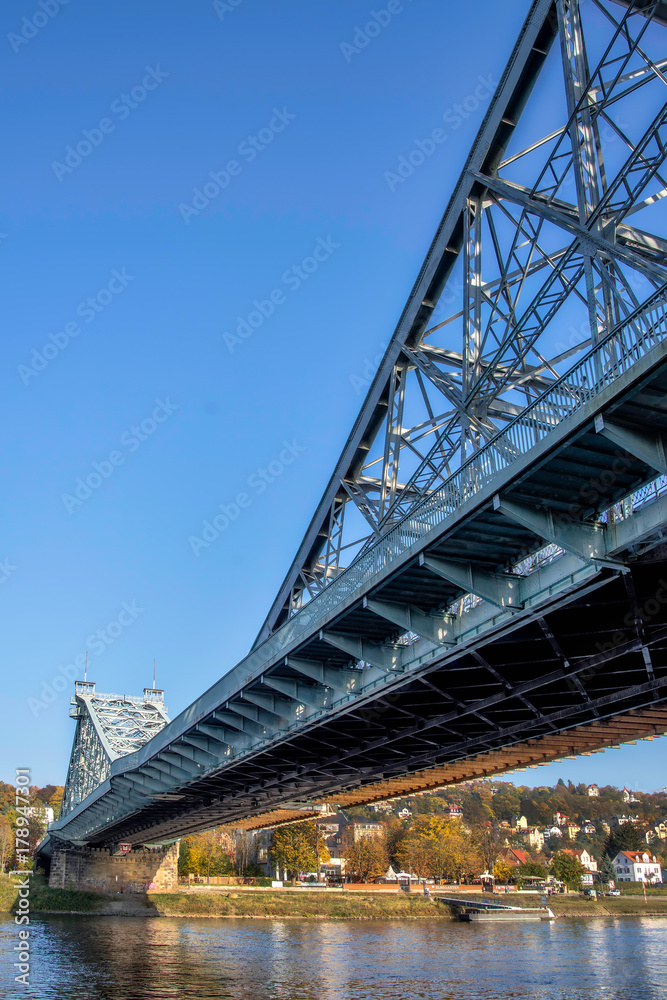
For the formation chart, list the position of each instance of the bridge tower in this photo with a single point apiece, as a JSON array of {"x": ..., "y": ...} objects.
[{"x": 109, "y": 727}]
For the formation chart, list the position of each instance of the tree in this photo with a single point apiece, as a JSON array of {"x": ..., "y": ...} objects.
[
  {"x": 294, "y": 848},
  {"x": 366, "y": 857},
  {"x": 6, "y": 841},
  {"x": 489, "y": 840},
  {"x": 503, "y": 872},
  {"x": 56, "y": 800},
  {"x": 436, "y": 846},
  {"x": 203, "y": 855},
  {"x": 245, "y": 851},
  {"x": 626, "y": 837},
  {"x": 607, "y": 871},
  {"x": 567, "y": 869},
  {"x": 529, "y": 871},
  {"x": 395, "y": 834}
]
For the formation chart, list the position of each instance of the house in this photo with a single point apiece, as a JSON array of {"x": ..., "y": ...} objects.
[
  {"x": 583, "y": 856},
  {"x": 455, "y": 811},
  {"x": 593, "y": 791},
  {"x": 40, "y": 811},
  {"x": 660, "y": 831},
  {"x": 514, "y": 856},
  {"x": 586, "y": 860},
  {"x": 637, "y": 866},
  {"x": 551, "y": 831},
  {"x": 620, "y": 820},
  {"x": 366, "y": 828},
  {"x": 336, "y": 829},
  {"x": 571, "y": 829},
  {"x": 588, "y": 827},
  {"x": 404, "y": 813},
  {"x": 533, "y": 836},
  {"x": 560, "y": 819},
  {"x": 519, "y": 823},
  {"x": 628, "y": 796}
]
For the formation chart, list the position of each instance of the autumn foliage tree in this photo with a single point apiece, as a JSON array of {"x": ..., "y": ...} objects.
[
  {"x": 436, "y": 846},
  {"x": 366, "y": 858},
  {"x": 203, "y": 855},
  {"x": 297, "y": 847}
]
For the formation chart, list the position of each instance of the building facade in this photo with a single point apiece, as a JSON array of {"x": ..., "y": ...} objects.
[{"x": 637, "y": 866}]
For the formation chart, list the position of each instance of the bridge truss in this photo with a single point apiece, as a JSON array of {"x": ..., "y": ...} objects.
[
  {"x": 481, "y": 587},
  {"x": 108, "y": 726},
  {"x": 549, "y": 240}
]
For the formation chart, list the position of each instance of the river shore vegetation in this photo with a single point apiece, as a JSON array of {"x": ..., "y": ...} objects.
[{"x": 306, "y": 904}]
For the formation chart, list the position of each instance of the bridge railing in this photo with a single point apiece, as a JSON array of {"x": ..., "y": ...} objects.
[{"x": 615, "y": 354}]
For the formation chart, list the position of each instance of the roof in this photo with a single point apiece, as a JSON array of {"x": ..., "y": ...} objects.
[
  {"x": 637, "y": 857},
  {"x": 520, "y": 856}
]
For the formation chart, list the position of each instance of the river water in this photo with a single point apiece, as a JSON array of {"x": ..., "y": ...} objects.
[{"x": 137, "y": 958}]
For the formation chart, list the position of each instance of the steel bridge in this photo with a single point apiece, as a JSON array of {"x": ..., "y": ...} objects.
[{"x": 483, "y": 584}]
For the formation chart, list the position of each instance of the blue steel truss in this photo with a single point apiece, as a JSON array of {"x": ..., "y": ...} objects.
[
  {"x": 471, "y": 593},
  {"x": 108, "y": 726}
]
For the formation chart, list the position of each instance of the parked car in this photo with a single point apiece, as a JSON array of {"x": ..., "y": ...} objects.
[{"x": 613, "y": 892}]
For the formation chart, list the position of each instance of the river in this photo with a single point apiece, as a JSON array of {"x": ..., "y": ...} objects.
[{"x": 154, "y": 958}]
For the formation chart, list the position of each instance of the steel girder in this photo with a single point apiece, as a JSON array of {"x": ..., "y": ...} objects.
[
  {"x": 108, "y": 726},
  {"x": 520, "y": 499},
  {"x": 549, "y": 240}
]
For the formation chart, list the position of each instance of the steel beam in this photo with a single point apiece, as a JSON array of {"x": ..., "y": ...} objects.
[{"x": 501, "y": 590}]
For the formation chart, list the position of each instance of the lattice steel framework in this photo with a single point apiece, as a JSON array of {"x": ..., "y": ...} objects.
[
  {"x": 549, "y": 241},
  {"x": 108, "y": 726}
]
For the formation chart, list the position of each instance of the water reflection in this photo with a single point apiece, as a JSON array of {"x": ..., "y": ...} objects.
[{"x": 125, "y": 958}]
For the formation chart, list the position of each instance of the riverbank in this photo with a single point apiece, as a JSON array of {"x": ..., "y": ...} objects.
[{"x": 301, "y": 905}]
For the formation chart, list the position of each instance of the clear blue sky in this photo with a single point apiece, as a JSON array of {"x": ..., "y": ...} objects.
[{"x": 132, "y": 286}]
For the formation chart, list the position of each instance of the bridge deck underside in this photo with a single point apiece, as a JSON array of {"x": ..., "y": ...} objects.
[
  {"x": 593, "y": 652},
  {"x": 514, "y": 688}
]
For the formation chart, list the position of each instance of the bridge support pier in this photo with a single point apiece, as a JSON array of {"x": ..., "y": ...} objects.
[{"x": 101, "y": 869}]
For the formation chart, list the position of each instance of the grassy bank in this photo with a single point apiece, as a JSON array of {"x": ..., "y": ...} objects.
[
  {"x": 309, "y": 905},
  {"x": 44, "y": 899},
  {"x": 300, "y": 905}
]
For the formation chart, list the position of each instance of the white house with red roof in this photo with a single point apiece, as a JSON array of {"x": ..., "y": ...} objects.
[{"x": 637, "y": 866}]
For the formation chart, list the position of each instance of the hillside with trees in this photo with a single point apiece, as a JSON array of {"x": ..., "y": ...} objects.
[
  {"x": 35, "y": 821},
  {"x": 494, "y": 817}
]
